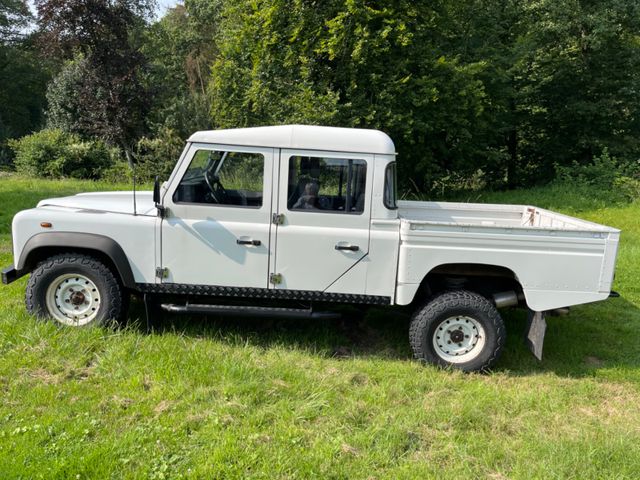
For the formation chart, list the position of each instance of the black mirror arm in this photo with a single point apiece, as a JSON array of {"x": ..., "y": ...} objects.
[{"x": 156, "y": 198}]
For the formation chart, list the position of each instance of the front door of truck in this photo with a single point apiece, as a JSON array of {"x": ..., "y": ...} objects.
[
  {"x": 219, "y": 217},
  {"x": 323, "y": 211}
]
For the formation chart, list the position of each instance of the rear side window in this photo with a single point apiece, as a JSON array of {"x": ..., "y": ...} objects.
[
  {"x": 330, "y": 185},
  {"x": 217, "y": 177},
  {"x": 390, "y": 197}
]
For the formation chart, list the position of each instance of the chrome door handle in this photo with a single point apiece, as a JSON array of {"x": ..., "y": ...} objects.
[
  {"x": 255, "y": 243},
  {"x": 352, "y": 248}
]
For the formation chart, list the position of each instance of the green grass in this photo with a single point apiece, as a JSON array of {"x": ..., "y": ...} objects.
[{"x": 214, "y": 398}]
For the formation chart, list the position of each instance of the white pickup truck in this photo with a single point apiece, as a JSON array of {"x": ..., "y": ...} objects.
[{"x": 293, "y": 220}]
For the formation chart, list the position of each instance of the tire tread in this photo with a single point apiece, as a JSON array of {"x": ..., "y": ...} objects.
[
  {"x": 437, "y": 306},
  {"x": 113, "y": 288}
]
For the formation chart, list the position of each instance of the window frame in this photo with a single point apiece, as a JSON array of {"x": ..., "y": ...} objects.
[
  {"x": 385, "y": 199},
  {"x": 322, "y": 157},
  {"x": 220, "y": 148}
]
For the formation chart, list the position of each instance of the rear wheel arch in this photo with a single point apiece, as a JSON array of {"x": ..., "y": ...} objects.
[
  {"x": 104, "y": 249},
  {"x": 485, "y": 279}
]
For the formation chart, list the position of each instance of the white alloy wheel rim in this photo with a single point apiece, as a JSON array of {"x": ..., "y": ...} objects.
[
  {"x": 459, "y": 339},
  {"x": 73, "y": 299}
]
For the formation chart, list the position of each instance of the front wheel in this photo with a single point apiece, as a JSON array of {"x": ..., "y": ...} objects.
[
  {"x": 74, "y": 290},
  {"x": 458, "y": 329}
]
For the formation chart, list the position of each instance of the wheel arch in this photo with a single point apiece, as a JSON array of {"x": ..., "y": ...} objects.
[
  {"x": 105, "y": 249},
  {"x": 480, "y": 277}
]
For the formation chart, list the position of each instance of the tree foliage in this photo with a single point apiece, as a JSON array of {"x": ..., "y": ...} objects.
[
  {"x": 14, "y": 18},
  {"x": 485, "y": 92},
  {"x": 23, "y": 75},
  {"x": 111, "y": 102},
  {"x": 180, "y": 48},
  {"x": 507, "y": 89}
]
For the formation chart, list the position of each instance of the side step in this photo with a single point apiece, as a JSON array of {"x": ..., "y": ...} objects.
[{"x": 244, "y": 311}]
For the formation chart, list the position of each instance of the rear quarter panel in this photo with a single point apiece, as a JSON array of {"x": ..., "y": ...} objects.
[{"x": 555, "y": 268}]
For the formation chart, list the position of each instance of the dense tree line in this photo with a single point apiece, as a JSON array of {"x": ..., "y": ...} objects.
[{"x": 486, "y": 92}]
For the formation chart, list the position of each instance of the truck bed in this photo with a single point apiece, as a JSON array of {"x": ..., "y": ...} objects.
[
  {"x": 559, "y": 260},
  {"x": 492, "y": 215}
]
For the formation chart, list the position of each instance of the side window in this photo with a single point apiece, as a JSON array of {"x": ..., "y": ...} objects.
[
  {"x": 222, "y": 178},
  {"x": 335, "y": 185},
  {"x": 390, "y": 187}
]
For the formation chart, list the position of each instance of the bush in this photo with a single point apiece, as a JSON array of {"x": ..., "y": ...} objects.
[
  {"x": 628, "y": 186},
  {"x": 153, "y": 157},
  {"x": 604, "y": 175},
  {"x": 119, "y": 172},
  {"x": 601, "y": 172},
  {"x": 158, "y": 156},
  {"x": 52, "y": 153}
]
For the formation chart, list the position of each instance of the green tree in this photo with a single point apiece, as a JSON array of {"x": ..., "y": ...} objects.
[
  {"x": 577, "y": 74},
  {"x": 501, "y": 89},
  {"x": 268, "y": 70},
  {"x": 180, "y": 48},
  {"x": 112, "y": 99},
  {"x": 14, "y": 19},
  {"x": 356, "y": 64},
  {"x": 23, "y": 76}
]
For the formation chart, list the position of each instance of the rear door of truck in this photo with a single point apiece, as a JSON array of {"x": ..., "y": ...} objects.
[{"x": 322, "y": 216}]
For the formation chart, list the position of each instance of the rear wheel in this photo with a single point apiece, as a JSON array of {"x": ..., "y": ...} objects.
[
  {"x": 74, "y": 290},
  {"x": 458, "y": 329}
]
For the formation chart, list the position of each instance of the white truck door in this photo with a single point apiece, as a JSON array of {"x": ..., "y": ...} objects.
[
  {"x": 218, "y": 224},
  {"x": 322, "y": 218}
]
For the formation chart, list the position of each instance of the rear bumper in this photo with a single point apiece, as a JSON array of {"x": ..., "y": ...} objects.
[{"x": 10, "y": 274}]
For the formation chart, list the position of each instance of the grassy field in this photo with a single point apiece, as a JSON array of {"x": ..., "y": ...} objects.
[{"x": 214, "y": 398}]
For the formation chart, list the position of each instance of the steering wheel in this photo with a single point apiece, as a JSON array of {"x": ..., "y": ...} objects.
[{"x": 218, "y": 193}]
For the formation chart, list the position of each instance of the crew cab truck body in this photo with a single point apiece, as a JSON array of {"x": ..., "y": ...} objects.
[{"x": 292, "y": 220}]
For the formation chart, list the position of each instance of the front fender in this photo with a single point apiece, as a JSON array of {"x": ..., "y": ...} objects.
[{"x": 41, "y": 244}]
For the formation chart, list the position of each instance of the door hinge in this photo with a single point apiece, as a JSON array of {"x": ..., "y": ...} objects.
[
  {"x": 162, "y": 272},
  {"x": 275, "y": 278},
  {"x": 277, "y": 218}
]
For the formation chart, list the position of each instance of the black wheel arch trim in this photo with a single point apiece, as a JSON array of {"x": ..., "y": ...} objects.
[{"x": 80, "y": 241}]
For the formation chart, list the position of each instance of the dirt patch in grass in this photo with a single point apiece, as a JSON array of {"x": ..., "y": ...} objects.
[{"x": 40, "y": 375}]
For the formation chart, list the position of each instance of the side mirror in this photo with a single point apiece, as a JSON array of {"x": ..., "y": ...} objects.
[{"x": 156, "y": 191}]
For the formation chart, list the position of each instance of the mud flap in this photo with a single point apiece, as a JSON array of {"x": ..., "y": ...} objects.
[{"x": 534, "y": 336}]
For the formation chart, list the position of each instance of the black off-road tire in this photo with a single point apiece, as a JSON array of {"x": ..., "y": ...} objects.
[
  {"x": 113, "y": 302},
  {"x": 428, "y": 319}
]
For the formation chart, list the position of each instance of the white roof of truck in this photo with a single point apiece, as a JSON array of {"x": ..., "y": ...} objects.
[{"x": 301, "y": 137}]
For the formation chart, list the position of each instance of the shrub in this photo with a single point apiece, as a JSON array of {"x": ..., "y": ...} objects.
[
  {"x": 628, "y": 186},
  {"x": 601, "y": 172},
  {"x": 604, "y": 176},
  {"x": 119, "y": 172},
  {"x": 52, "y": 153},
  {"x": 153, "y": 157},
  {"x": 158, "y": 155},
  {"x": 34, "y": 152}
]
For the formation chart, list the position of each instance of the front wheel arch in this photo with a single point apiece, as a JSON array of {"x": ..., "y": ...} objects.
[{"x": 47, "y": 244}]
